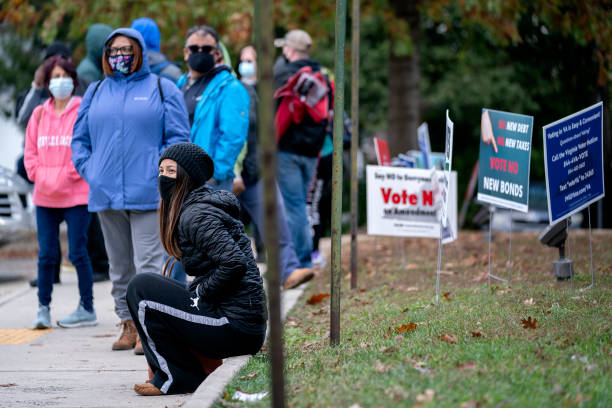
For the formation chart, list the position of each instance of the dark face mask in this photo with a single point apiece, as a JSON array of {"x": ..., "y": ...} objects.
[
  {"x": 166, "y": 187},
  {"x": 201, "y": 62}
]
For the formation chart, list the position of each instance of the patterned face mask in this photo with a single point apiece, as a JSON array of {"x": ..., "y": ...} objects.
[{"x": 121, "y": 63}]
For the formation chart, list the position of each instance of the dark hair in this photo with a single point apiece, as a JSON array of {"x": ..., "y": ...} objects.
[
  {"x": 170, "y": 212},
  {"x": 62, "y": 62},
  {"x": 137, "y": 64},
  {"x": 205, "y": 30}
]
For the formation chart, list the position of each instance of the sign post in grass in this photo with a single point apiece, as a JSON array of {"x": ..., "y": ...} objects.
[
  {"x": 503, "y": 167},
  {"x": 263, "y": 40},
  {"x": 336, "y": 271}
]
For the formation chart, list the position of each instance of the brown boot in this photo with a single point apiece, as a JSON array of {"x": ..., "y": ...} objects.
[
  {"x": 147, "y": 389},
  {"x": 297, "y": 277},
  {"x": 128, "y": 337},
  {"x": 138, "y": 350}
]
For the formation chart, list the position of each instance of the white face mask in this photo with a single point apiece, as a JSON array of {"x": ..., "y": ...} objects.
[{"x": 61, "y": 88}]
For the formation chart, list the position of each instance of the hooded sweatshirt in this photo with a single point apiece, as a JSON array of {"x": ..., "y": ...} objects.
[
  {"x": 122, "y": 128},
  {"x": 47, "y": 157},
  {"x": 90, "y": 69},
  {"x": 158, "y": 62}
]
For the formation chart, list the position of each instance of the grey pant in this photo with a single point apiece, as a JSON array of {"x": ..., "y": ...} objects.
[{"x": 133, "y": 245}]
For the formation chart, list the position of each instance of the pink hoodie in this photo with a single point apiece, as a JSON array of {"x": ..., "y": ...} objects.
[{"x": 47, "y": 157}]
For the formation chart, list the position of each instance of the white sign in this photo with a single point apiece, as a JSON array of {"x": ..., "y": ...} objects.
[
  {"x": 401, "y": 202},
  {"x": 448, "y": 157}
]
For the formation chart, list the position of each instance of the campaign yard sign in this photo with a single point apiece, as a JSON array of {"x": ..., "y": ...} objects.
[
  {"x": 573, "y": 160},
  {"x": 448, "y": 157},
  {"x": 401, "y": 202},
  {"x": 504, "y": 159},
  {"x": 424, "y": 145},
  {"x": 382, "y": 152}
]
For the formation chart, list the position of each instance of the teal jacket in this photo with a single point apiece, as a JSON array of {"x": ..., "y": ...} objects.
[{"x": 221, "y": 121}]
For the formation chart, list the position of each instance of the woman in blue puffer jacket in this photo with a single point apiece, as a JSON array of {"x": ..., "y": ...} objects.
[{"x": 124, "y": 123}]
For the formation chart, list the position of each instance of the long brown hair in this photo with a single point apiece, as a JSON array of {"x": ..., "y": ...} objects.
[
  {"x": 170, "y": 212},
  {"x": 137, "y": 64}
]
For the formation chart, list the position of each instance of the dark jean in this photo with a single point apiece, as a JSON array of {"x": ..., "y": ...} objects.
[
  {"x": 295, "y": 172},
  {"x": 252, "y": 202},
  {"x": 48, "y": 221}
]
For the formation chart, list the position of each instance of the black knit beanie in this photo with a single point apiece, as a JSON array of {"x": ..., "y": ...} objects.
[{"x": 193, "y": 159}]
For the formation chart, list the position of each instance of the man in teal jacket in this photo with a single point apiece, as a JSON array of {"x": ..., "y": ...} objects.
[{"x": 217, "y": 104}]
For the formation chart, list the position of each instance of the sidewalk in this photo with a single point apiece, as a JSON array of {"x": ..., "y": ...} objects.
[{"x": 76, "y": 367}]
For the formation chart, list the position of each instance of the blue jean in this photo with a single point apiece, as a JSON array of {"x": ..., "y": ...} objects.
[
  {"x": 295, "y": 173},
  {"x": 48, "y": 221},
  {"x": 251, "y": 200},
  {"x": 178, "y": 273}
]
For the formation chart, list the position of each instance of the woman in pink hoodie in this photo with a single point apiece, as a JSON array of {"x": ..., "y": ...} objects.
[{"x": 60, "y": 194}]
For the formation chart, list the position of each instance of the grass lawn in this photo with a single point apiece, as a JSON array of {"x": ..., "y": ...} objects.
[{"x": 398, "y": 349}]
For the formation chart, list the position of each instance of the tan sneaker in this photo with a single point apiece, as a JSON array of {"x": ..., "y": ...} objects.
[
  {"x": 147, "y": 389},
  {"x": 128, "y": 337},
  {"x": 138, "y": 350},
  {"x": 297, "y": 277}
]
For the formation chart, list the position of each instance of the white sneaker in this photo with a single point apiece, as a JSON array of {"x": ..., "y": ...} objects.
[{"x": 318, "y": 259}]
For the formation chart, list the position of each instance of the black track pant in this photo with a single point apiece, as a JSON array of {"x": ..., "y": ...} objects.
[{"x": 171, "y": 328}]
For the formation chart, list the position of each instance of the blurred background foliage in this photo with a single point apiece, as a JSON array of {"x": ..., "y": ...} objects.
[{"x": 545, "y": 58}]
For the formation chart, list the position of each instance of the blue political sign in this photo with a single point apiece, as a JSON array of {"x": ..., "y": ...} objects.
[{"x": 573, "y": 160}]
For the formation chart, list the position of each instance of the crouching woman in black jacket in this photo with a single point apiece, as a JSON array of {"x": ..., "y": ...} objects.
[{"x": 184, "y": 332}]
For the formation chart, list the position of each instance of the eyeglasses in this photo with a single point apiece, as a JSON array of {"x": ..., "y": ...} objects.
[
  {"x": 127, "y": 50},
  {"x": 204, "y": 48}
]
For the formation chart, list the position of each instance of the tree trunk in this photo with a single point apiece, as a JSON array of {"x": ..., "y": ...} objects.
[{"x": 404, "y": 78}]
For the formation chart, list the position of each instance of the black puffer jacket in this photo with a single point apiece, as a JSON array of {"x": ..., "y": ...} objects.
[{"x": 218, "y": 252}]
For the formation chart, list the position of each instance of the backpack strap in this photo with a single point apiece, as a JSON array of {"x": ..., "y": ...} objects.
[
  {"x": 159, "y": 87},
  {"x": 96, "y": 88}
]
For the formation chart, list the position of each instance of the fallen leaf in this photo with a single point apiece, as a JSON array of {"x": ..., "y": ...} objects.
[
  {"x": 447, "y": 296},
  {"x": 470, "y": 404},
  {"x": 427, "y": 396},
  {"x": 8, "y": 385},
  {"x": 476, "y": 333},
  {"x": 314, "y": 299},
  {"x": 449, "y": 338},
  {"x": 364, "y": 345},
  {"x": 385, "y": 349},
  {"x": 411, "y": 266},
  {"x": 355, "y": 406},
  {"x": 466, "y": 366},
  {"x": 380, "y": 367},
  {"x": 406, "y": 328},
  {"x": 528, "y": 302},
  {"x": 529, "y": 324},
  {"x": 448, "y": 273}
]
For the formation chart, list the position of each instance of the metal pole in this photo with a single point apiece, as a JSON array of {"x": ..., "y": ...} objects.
[
  {"x": 354, "y": 138},
  {"x": 591, "y": 248},
  {"x": 264, "y": 38},
  {"x": 510, "y": 248},
  {"x": 490, "y": 222},
  {"x": 439, "y": 264},
  {"x": 336, "y": 271}
]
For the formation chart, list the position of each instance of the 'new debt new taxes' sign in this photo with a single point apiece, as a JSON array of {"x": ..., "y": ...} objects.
[{"x": 503, "y": 163}]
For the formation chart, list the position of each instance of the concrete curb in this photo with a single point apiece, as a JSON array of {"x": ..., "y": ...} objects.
[{"x": 213, "y": 386}]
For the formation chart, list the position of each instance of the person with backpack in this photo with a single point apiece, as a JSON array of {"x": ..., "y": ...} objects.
[
  {"x": 186, "y": 332},
  {"x": 159, "y": 63},
  {"x": 125, "y": 121},
  {"x": 60, "y": 194},
  {"x": 301, "y": 120},
  {"x": 29, "y": 99}
]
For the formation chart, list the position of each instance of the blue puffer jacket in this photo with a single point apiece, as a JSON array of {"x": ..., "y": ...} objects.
[
  {"x": 221, "y": 121},
  {"x": 120, "y": 133}
]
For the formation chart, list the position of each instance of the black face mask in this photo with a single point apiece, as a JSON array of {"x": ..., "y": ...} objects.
[
  {"x": 201, "y": 62},
  {"x": 166, "y": 187}
]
